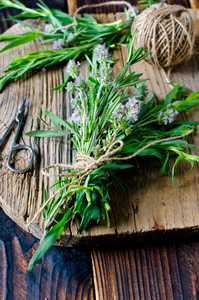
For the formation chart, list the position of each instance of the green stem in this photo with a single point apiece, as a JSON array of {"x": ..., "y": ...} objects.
[
  {"x": 146, "y": 123},
  {"x": 36, "y": 13}
]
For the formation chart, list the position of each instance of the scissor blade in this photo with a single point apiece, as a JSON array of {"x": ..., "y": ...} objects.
[{"x": 24, "y": 104}]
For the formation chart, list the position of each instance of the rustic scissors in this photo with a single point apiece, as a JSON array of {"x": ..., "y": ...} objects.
[{"x": 15, "y": 147}]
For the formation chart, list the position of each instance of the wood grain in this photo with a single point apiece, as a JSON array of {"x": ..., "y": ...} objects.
[
  {"x": 156, "y": 272},
  {"x": 72, "y": 6},
  {"x": 194, "y": 4},
  {"x": 62, "y": 273},
  {"x": 148, "y": 204}
]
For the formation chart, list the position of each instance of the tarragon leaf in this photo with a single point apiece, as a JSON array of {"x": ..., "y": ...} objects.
[{"x": 49, "y": 239}]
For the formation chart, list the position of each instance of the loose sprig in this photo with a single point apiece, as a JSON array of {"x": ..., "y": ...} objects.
[
  {"x": 108, "y": 127},
  {"x": 65, "y": 42}
]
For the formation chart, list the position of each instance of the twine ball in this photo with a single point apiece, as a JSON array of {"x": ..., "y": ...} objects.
[{"x": 167, "y": 32}]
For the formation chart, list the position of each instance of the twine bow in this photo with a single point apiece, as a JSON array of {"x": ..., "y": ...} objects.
[{"x": 87, "y": 164}]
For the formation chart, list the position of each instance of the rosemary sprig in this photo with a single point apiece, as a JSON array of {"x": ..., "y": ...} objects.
[{"x": 73, "y": 42}]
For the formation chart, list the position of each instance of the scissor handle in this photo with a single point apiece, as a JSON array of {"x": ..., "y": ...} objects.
[{"x": 15, "y": 148}]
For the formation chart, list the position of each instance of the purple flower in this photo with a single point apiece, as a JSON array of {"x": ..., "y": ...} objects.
[
  {"x": 127, "y": 112},
  {"x": 70, "y": 87},
  {"x": 75, "y": 102},
  {"x": 133, "y": 109},
  {"x": 101, "y": 53},
  {"x": 167, "y": 116},
  {"x": 76, "y": 115},
  {"x": 81, "y": 83},
  {"x": 136, "y": 9},
  {"x": 48, "y": 28},
  {"x": 58, "y": 44},
  {"x": 103, "y": 76},
  {"x": 70, "y": 37},
  {"x": 72, "y": 68},
  {"x": 117, "y": 114}
]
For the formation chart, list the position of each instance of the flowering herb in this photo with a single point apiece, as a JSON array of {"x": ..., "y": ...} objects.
[
  {"x": 65, "y": 42},
  {"x": 108, "y": 127},
  {"x": 167, "y": 116}
]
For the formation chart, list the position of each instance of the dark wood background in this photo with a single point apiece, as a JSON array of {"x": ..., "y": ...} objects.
[{"x": 165, "y": 270}]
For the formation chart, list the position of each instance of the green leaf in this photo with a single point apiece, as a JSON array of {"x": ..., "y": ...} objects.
[
  {"x": 24, "y": 23},
  {"x": 170, "y": 96},
  {"x": 44, "y": 212},
  {"x": 44, "y": 122},
  {"x": 130, "y": 46},
  {"x": 165, "y": 166},
  {"x": 47, "y": 133},
  {"x": 146, "y": 107},
  {"x": 25, "y": 38},
  {"x": 193, "y": 96},
  {"x": 91, "y": 212},
  {"x": 179, "y": 158},
  {"x": 26, "y": 68},
  {"x": 186, "y": 104},
  {"x": 55, "y": 119},
  {"x": 115, "y": 167},
  {"x": 49, "y": 239},
  {"x": 6, "y": 77},
  {"x": 90, "y": 18},
  {"x": 184, "y": 122},
  {"x": 7, "y": 37},
  {"x": 79, "y": 199},
  {"x": 93, "y": 80},
  {"x": 146, "y": 152}
]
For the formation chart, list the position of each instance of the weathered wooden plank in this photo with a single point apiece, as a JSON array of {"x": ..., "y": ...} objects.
[
  {"x": 72, "y": 6},
  {"x": 194, "y": 4},
  {"x": 62, "y": 273},
  {"x": 150, "y": 201},
  {"x": 157, "y": 272}
]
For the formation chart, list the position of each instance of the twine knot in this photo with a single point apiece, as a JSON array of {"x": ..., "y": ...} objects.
[
  {"x": 85, "y": 163},
  {"x": 91, "y": 163}
]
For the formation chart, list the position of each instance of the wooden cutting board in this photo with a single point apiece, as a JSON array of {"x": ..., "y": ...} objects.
[{"x": 149, "y": 207}]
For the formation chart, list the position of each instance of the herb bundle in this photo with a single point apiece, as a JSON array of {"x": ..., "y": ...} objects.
[
  {"x": 66, "y": 40},
  {"x": 108, "y": 127}
]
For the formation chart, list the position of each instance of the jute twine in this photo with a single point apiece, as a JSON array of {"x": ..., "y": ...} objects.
[
  {"x": 86, "y": 164},
  {"x": 167, "y": 32}
]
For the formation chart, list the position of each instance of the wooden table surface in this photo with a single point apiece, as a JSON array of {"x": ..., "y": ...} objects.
[{"x": 166, "y": 269}]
